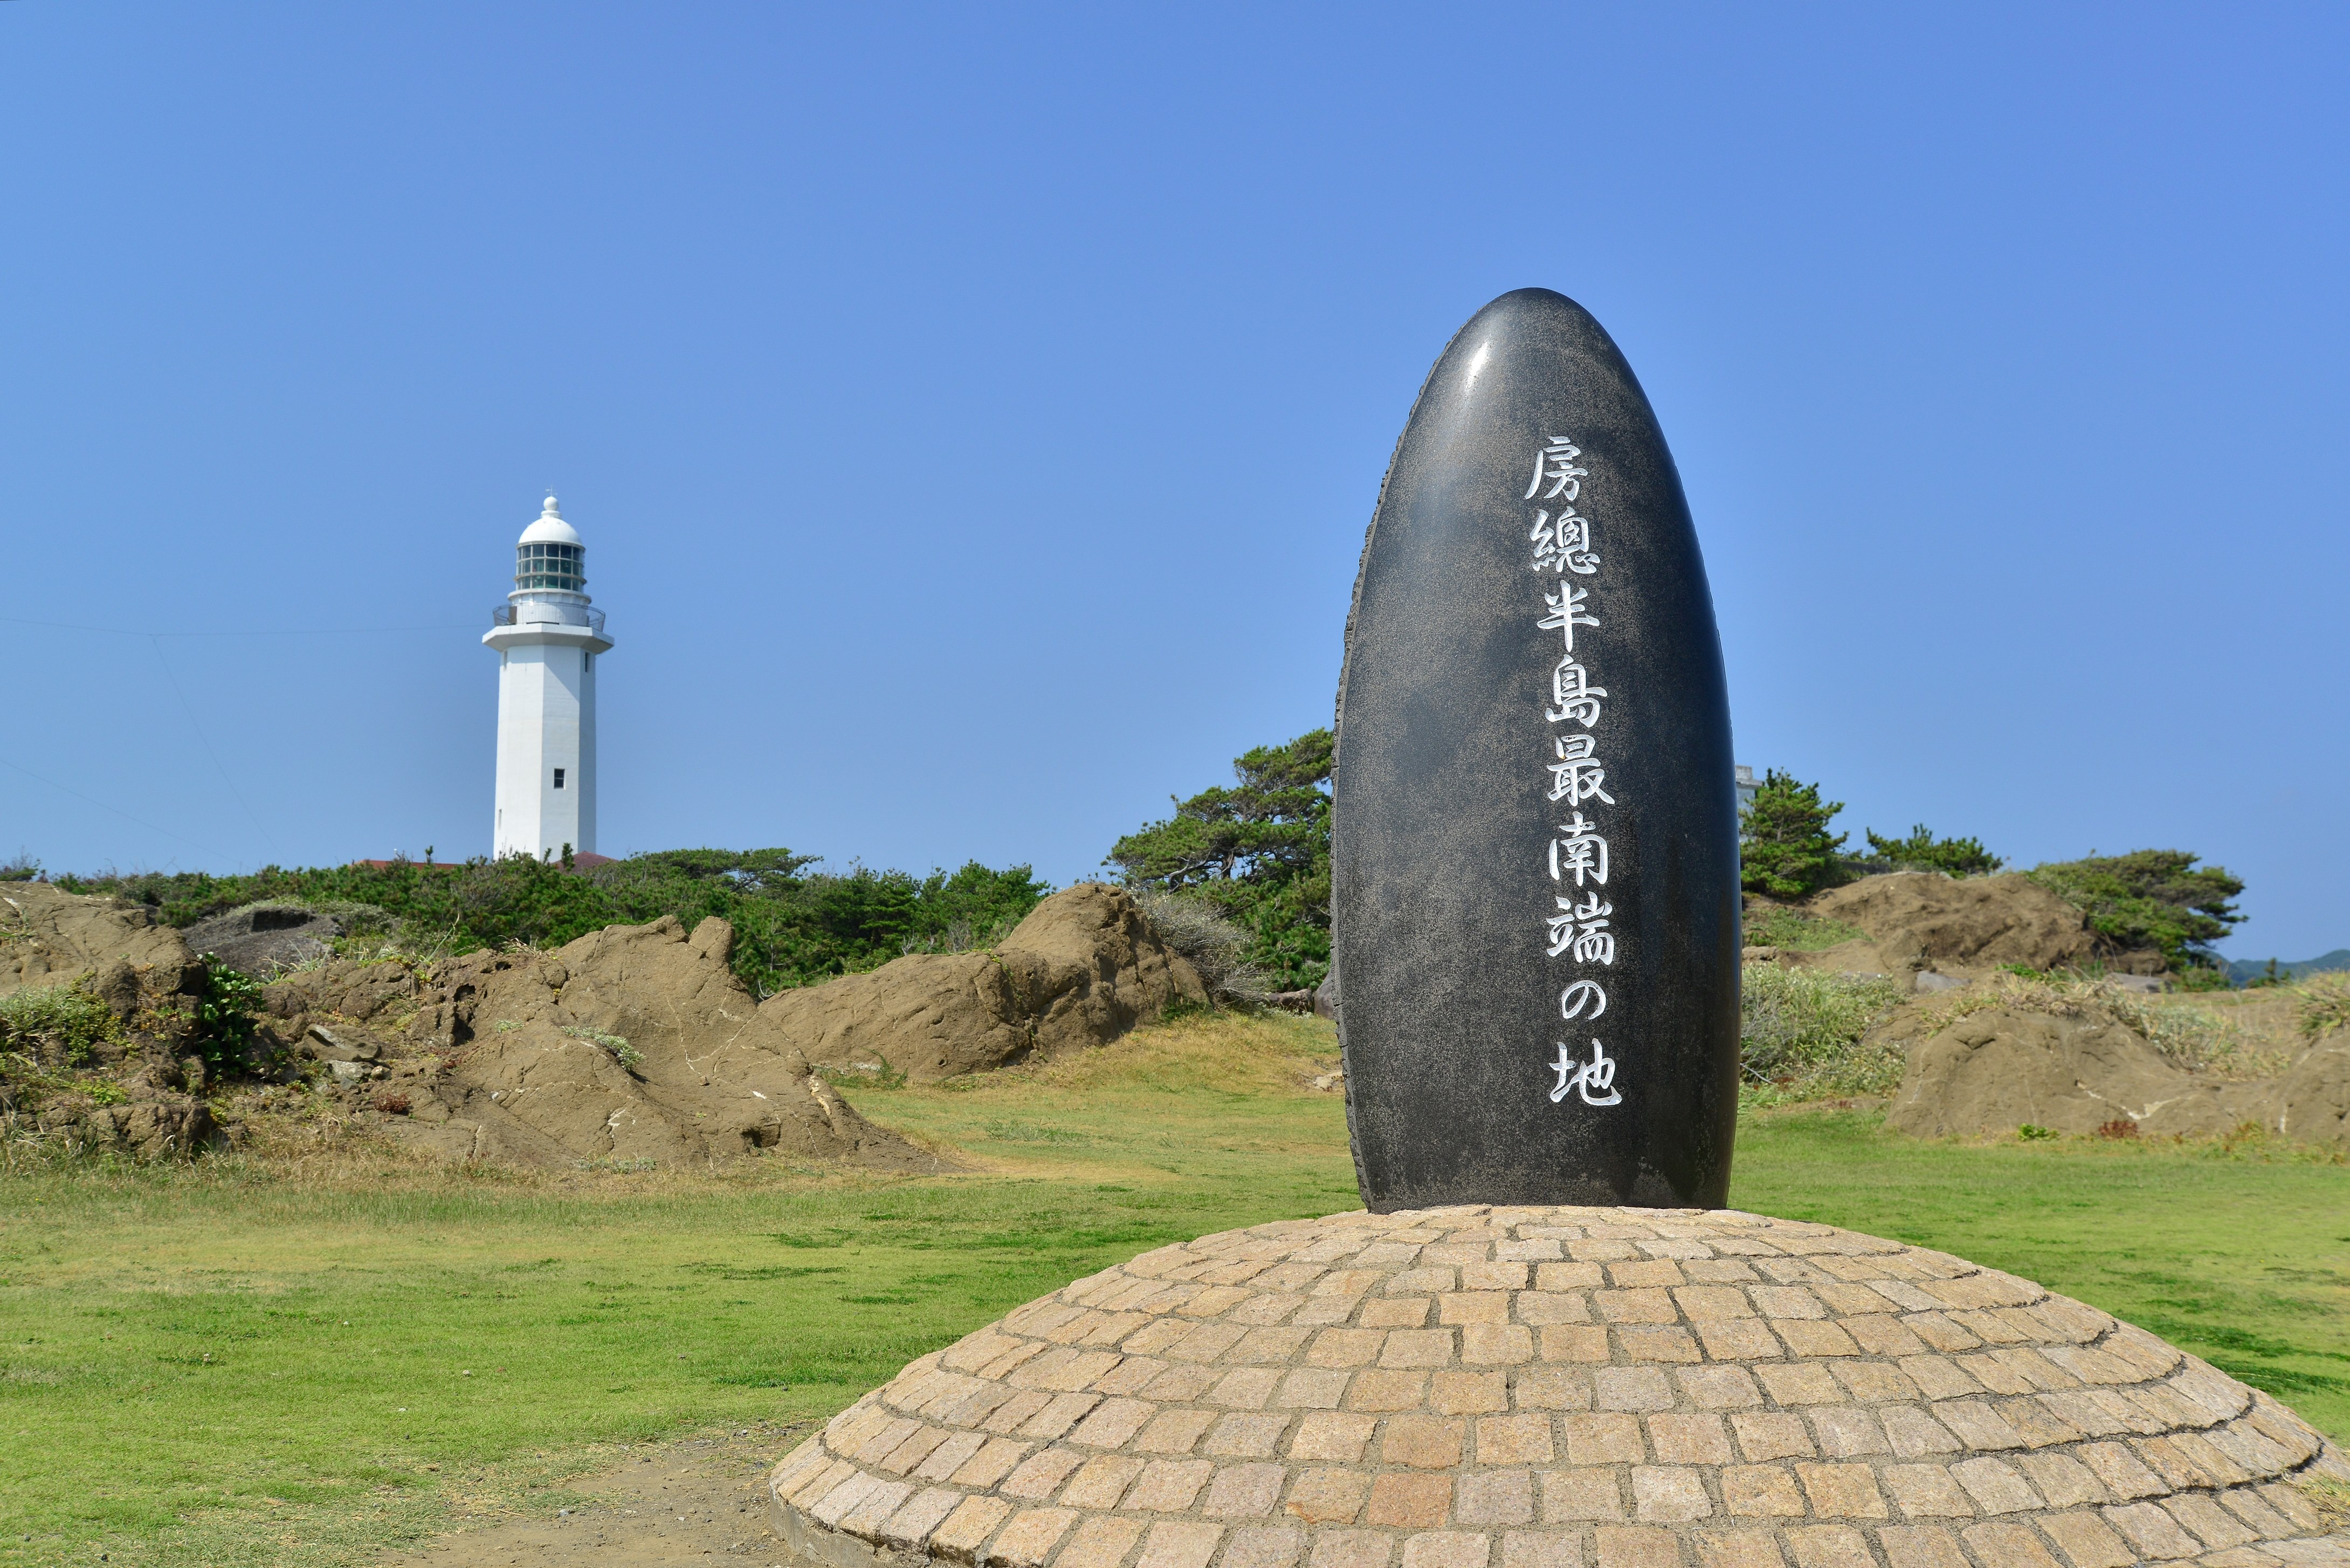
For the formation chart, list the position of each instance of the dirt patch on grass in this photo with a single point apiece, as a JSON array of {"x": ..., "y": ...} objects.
[{"x": 659, "y": 1503}]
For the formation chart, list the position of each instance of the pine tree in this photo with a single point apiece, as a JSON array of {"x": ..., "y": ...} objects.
[
  {"x": 1922, "y": 850},
  {"x": 2151, "y": 898},
  {"x": 1257, "y": 851},
  {"x": 1785, "y": 848}
]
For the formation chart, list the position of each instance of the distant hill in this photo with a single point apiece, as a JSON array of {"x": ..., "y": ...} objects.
[{"x": 2241, "y": 970}]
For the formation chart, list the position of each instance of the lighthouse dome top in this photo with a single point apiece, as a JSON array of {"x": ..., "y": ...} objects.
[
  {"x": 549, "y": 557},
  {"x": 549, "y": 528}
]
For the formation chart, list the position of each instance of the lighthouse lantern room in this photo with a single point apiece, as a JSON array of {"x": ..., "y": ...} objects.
[{"x": 547, "y": 635}]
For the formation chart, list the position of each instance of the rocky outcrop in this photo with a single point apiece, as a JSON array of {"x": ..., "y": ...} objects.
[
  {"x": 2003, "y": 1067},
  {"x": 634, "y": 1043},
  {"x": 156, "y": 1126},
  {"x": 50, "y": 936},
  {"x": 1917, "y": 921},
  {"x": 1999, "y": 1068},
  {"x": 1083, "y": 969},
  {"x": 2073, "y": 1069},
  {"x": 263, "y": 939},
  {"x": 2311, "y": 1102},
  {"x": 139, "y": 1090}
]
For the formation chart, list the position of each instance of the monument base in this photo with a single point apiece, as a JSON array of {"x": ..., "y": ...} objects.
[{"x": 1552, "y": 1387}]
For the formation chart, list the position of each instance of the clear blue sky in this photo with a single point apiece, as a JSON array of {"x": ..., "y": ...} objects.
[{"x": 973, "y": 413}]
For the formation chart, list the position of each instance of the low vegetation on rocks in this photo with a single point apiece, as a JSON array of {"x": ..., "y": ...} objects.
[
  {"x": 2325, "y": 1006},
  {"x": 2161, "y": 901},
  {"x": 1981, "y": 1004},
  {"x": 633, "y": 1042},
  {"x": 61, "y": 1022},
  {"x": 2192, "y": 1038},
  {"x": 1771, "y": 925},
  {"x": 795, "y": 923},
  {"x": 1805, "y": 1035},
  {"x": 1217, "y": 946}
]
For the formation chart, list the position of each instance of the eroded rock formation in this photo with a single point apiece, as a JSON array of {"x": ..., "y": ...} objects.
[
  {"x": 1083, "y": 969},
  {"x": 634, "y": 1043},
  {"x": 140, "y": 1089},
  {"x": 1917, "y": 919},
  {"x": 2001, "y": 1068}
]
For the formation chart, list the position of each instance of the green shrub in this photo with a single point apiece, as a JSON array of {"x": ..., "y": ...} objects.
[
  {"x": 876, "y": 1076},
  {"x": 1784, "y": 846},
  {"x": 64, "y": 1020},
  {"x": 627, "y": 1055},
  {"x": 226, "y": 1011},
  {"x": 2324, "y": 1005},
  {"x": 1216, "y": 947},
  {"x": 1801, "y": 1033},
  {"x": 1923, "y": 852},
  {"x": 2150, "y": 898}
]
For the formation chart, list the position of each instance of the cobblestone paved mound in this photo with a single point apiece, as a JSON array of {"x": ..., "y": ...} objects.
[{"x": 1553, "y": 1388}]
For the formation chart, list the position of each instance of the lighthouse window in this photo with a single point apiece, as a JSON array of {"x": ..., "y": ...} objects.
[
  {"x": 560, "y": 566},
  {"x": 558, "y": 778}
]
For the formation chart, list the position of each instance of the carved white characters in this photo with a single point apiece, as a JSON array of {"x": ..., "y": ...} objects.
[
  {"x": 1594, "y": 1080},
  {"x": 1578, "y": 852},
  {"x": 1566, "y": 612},
  {"x": 1555, "y": 463},
  {"x": 1577, "y": 777},
  {"x": 1576, "y": 997},
  {"x": 1562, "y": 544},
  {"x": 1581, "y": 929},
  {"x": 1573, "y": 695}
]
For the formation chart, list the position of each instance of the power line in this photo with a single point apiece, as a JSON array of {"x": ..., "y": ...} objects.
[
  {"x": 271, "y": 631},
  {"x": 204, "y": 738},
  {"x": 117, "y": 810}
]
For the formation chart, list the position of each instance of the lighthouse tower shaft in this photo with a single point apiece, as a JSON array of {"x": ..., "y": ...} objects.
[{"x": 548, "y": 636}]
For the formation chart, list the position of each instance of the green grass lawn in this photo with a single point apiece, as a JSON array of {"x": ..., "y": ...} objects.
[
  {"x": 228, "y": 1365},
  {"x": 2239, "y": 1254}
]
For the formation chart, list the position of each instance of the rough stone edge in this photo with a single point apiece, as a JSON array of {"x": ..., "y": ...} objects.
[
  {"x": 819, "y": 1546},
  {"x": 830, "y": 1548}
]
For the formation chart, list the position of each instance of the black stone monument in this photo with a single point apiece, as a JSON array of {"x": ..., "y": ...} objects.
[{"x": 1535, "y": 903}]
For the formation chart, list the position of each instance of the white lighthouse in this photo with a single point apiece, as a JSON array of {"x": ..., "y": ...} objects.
[{"x": 546, "y": 639}]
